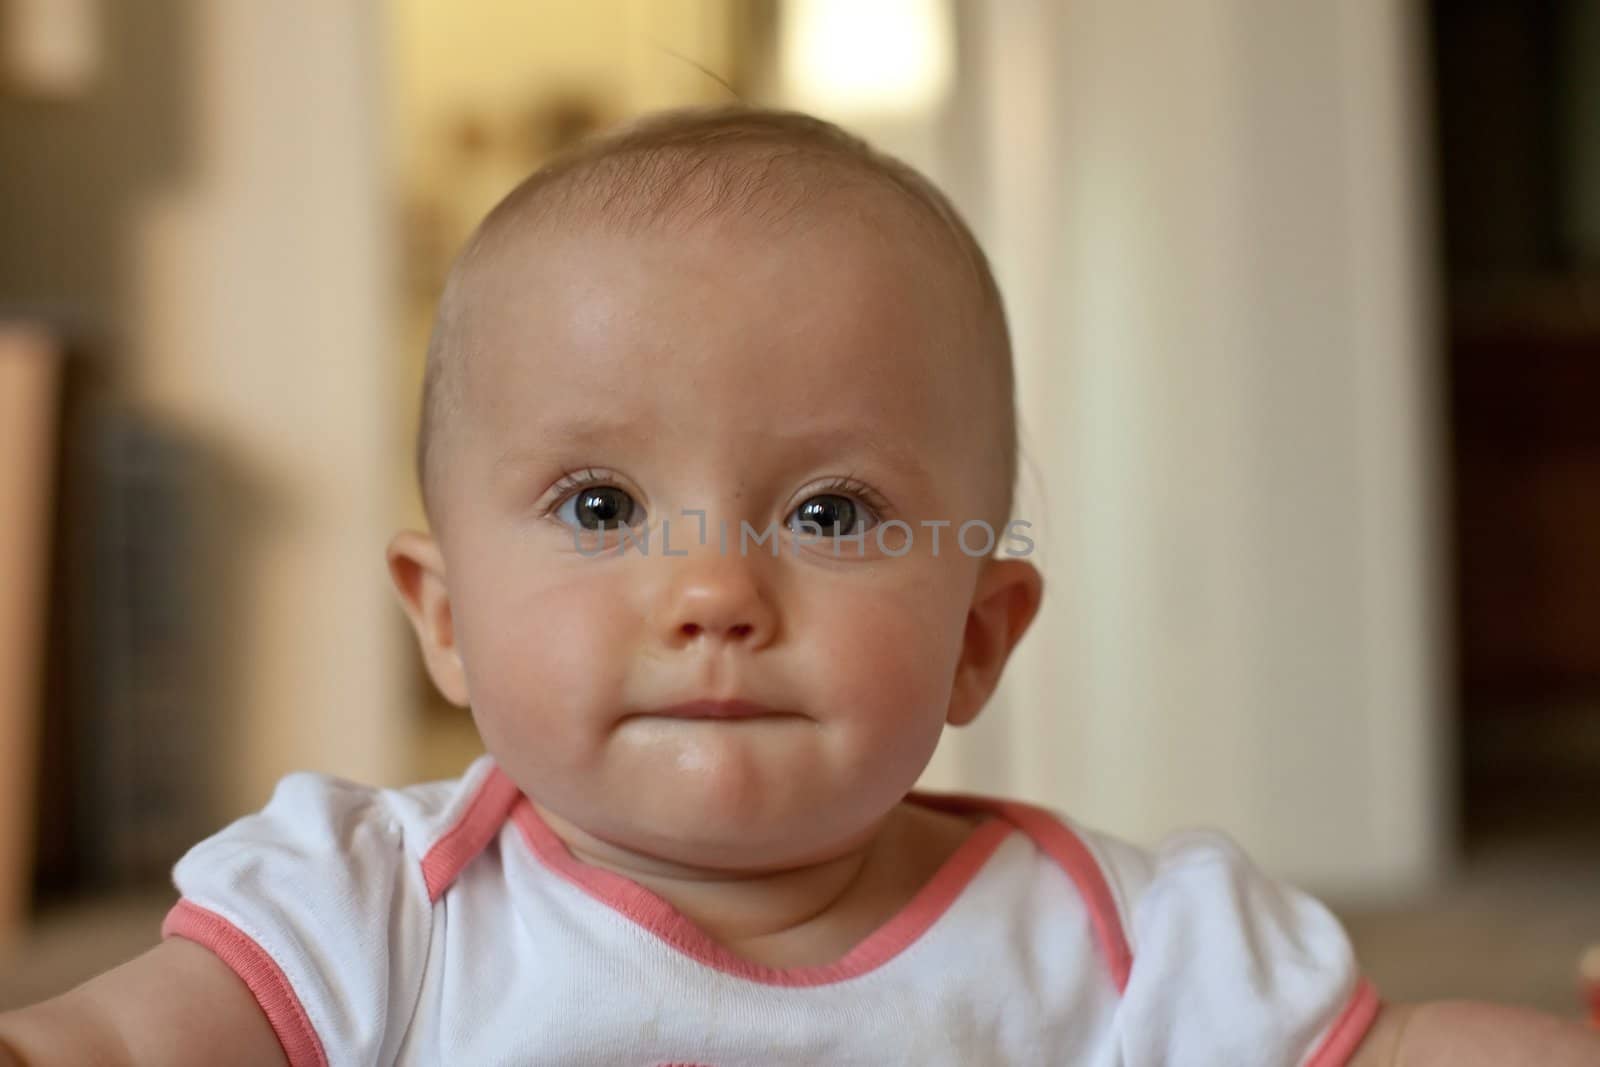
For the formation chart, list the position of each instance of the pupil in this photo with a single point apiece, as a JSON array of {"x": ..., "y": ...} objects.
[
  {"x": 834, "y": 514},
  {"x": 604, "y": 507}
]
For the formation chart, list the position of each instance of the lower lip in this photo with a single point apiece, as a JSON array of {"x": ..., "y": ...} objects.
[{"x": 724, "y": 720}]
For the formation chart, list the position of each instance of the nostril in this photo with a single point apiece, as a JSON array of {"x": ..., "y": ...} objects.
[{"x": 738, "y": 631}]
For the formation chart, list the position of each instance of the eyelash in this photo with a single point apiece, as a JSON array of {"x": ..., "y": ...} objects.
[
  {"x": 572, "y": 481},
  {"x": 848, "y": 486}
]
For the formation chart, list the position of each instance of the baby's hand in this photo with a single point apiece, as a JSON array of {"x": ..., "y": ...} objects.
[
  {"x": 177, "y": 1004},
  {"x": 1464, "y": 1034}
]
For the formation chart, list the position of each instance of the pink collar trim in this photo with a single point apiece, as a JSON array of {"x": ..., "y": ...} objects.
[
  {"x": 656, "y": 915},
  {"x": 1058, "y": 841},
  {"x": 665, "y": 921}
]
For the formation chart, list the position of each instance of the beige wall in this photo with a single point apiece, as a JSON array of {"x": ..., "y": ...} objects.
[{"x": 261, "y": 316}]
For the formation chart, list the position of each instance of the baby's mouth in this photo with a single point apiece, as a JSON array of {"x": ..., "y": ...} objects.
[{"x": 718, "y": 710}]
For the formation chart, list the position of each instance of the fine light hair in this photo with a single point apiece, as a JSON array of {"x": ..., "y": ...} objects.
[{"x": 687, "y": 166}]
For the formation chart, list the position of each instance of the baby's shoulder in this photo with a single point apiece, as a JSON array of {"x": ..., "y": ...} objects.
[
  {"x": 1220, "y": 952},
  {"x": 1194, "y": 860},
  {"x": 323, "y": 844},
  {"x": 310, "y": 811},
  {"x": 1114, "y": 874},
  {"x": 428, "y": 815},
  {"x": 1198, "y": 875},
  {"x": 323, "y": 901}
]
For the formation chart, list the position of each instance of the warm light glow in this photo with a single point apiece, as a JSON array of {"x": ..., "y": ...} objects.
[
  {"x": 876, "y": 57},
  {"x": 50, "y": 47}
]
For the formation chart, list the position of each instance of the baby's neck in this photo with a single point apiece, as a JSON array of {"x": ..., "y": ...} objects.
[{"x": 805, "y": 916}]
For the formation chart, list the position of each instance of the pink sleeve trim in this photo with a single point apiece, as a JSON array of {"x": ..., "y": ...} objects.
[
  {"x": 1348, "y": 1029},
  {"x": 260, "y": 973},
  {"x": 487, "y": 811}
]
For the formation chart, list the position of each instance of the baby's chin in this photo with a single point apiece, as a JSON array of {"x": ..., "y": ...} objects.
[
  {"x": 681, "y": 838},
  {"x": 733, "y": 812}
]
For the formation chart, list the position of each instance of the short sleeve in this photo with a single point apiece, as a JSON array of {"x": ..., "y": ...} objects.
[
  {"x": 1232, "y": 967},
  {"x": 315, "y": 904}
]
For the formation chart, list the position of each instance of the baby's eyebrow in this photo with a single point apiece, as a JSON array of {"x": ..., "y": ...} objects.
[
  {"x": 550, "y": 438},
  {"x": 820, "y": 440}
]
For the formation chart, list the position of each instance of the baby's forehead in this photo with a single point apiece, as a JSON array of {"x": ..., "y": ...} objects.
[
  {"x": 771, "y": 207},
  {"x": 729, "y": 297},
  {"x": 774, "y": 190},
  {"x": 771, "y": 184},
  {"x": 831, "y": 256}
]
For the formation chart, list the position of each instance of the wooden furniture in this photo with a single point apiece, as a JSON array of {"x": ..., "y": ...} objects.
[
  {"x": 30, "y": 369},
  {"x": 1525, "y": 396},
  {"x": 1525, "y": 406}
]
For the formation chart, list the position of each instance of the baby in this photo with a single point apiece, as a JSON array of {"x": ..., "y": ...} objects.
[{"x": 718, "y": 451}]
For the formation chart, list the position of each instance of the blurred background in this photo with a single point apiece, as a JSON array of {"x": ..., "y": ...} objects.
[{"x": 1306, "y": 303}]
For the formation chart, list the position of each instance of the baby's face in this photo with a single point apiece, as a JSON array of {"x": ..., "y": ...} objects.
[{"x": 827, "y": 375}]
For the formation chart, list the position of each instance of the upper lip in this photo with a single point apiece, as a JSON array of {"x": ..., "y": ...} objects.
[{"x": 716, "y": 709}]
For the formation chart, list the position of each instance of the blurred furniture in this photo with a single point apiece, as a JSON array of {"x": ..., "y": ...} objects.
[
  {"x": 111, "y": 586},
  {"x": 1525, "y": 382},
  {"x": 1526, "y": 400},
  {"x": 1517, "y": 89},
  {"x": 29, "y": 369},
  {"x": 138, "y": 668},
  {"x": 136, "y": 634}
]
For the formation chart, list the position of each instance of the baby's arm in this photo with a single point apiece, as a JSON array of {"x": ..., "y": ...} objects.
[
  {"x": 177, "y": 1004},
  {"x": 1465, "y": 1034}
]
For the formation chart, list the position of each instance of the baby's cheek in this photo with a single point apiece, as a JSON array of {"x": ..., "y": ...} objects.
[
  {"x": 896, "y": 652},
  {"x": 545, "y": 651}
]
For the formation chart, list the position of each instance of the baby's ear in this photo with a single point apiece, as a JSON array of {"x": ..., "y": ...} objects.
[
  {"x": 1003, "y": 605},
  {"x": 417, "y": 568}
]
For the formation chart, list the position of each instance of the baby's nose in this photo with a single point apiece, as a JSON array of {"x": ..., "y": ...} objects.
[{"x": 720, "y": 601}]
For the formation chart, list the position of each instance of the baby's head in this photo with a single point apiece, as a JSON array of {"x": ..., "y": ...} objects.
[{"x": 700, "y": 398}]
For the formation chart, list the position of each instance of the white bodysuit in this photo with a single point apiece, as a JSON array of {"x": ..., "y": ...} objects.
[{"x": 445, "y": 923}]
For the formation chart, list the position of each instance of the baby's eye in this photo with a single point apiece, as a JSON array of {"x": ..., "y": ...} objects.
[
  {"x": 835, "y": 514},
  {"x": 598, "y": 507}
]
